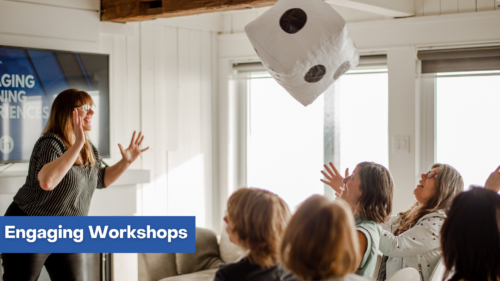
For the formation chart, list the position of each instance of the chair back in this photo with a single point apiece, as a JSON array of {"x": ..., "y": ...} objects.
[
  {"x": 405, "y": 274},
  {"x": 439, "y": 270}
]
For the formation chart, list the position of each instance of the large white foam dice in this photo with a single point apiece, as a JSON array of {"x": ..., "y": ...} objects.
[{"x": 305, "y": 45}]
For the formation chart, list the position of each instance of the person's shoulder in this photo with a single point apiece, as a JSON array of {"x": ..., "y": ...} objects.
[
  {"x": 437, "y": 215},
  {"x": 355, "y": 277},
  {"x": 50, "y": 140},
  {"x": 368, "y": 225},
  {"x": 244, "y": 270},
  {"x": 285, "y": 274},
  {"x": 348, "y": 277},
  {"x": 236, "y": 268},
  {"x": 95, "y": 151}
]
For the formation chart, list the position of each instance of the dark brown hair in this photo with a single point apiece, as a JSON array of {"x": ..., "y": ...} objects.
[
  {"x": 320, "y": 240},
  {"x": 61, "y": 121},
  {"x": 470, "y": 237},
  {"x": 449, "y": 183},
  {"x": 260, "y": 218},
  {"x": 377, "y": 189}
]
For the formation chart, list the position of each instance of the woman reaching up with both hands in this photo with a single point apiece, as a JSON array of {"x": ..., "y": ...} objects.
[
  {"x": 368, "y": 192},
  {"x": 410, "y": 239}
]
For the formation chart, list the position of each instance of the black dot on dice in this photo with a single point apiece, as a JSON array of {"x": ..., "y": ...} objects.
[
  {"x": 293, "y": 20},
  {"x": 315, "y": 73},
  {"x": 343, "y": 68}
]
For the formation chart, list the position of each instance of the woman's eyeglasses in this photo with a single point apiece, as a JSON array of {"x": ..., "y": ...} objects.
[
  {"x": 430, "y": 174},
  {"x": 87, "y": 107}
]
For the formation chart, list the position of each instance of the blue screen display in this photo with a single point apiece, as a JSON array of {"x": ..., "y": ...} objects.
[{"x": 30, "y": 79}]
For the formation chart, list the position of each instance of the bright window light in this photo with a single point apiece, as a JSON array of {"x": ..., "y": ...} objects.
[
  {"x": 285, "y": 144},
  {"x": 286, "y": 150},
  {"x": 363, "y": 119},
  {"x": 468, "y": 137}
]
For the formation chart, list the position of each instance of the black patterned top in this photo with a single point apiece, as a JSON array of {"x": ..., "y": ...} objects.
[{"x": 71, "y": 197}]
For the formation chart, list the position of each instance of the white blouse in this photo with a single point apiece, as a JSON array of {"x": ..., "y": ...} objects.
[{"x": 418, "y": 247}]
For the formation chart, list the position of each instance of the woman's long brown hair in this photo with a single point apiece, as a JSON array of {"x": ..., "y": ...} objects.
[
  {"x": 449, "y": 183},
  {"x": 377, "y": 189},
  {"x": 61, "y": 121}
]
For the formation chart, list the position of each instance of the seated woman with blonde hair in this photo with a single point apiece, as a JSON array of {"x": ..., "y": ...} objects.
[
  {"x": 256, "y": 220},
  {"x": 320, "y": 242}
]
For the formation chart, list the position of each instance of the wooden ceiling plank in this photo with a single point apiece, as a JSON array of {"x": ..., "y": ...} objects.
[{"x": 134, "y": 10}]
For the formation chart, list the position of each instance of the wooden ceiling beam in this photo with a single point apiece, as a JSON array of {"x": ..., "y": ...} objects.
[{"x": 140, "y": 10}]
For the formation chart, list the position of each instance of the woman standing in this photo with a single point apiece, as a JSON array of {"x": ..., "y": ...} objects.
[{"x": 64, "y": 170}]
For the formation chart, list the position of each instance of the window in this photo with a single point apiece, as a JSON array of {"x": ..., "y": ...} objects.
[
  {"x": 286, "y": 147},
  {"x": 285, "y": 142},
  {"x": 363, "y": 118},
  {"x": 467, "y": 118}
]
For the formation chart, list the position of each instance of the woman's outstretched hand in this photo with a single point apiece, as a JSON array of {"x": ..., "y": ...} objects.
[
  {"x": 493, "y": 181},
  {"x": 78, "y": 128},
  {"x": 333, "y": 178},
  {"x": 133, "y": 151}
]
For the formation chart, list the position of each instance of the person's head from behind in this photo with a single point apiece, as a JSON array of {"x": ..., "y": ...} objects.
[
  {"x": 436, "y": 190},
  {"x": 320, "y": 240},
  {"x": 62, "y": 114},
  {"x": 256, "y": 220},
  {"x": 370, "y": 188},
  {"x": 470, "y": 236}
]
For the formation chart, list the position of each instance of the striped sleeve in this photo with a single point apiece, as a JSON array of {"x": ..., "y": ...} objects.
[
  {"x": 48, "y": 151},
  {"x": 101, "y": 170},
  {"x": 100, "y": 177}
]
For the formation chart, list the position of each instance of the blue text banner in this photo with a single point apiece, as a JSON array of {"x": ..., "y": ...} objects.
[{"x": 136, "y": 234}]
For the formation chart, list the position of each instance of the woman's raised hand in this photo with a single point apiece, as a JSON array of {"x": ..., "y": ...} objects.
[
  {"x": 133, "y": 151},
  {"x": 78, "y": 128},
  {"x": 493, "y": 181},
  {"x": 333, "y": 178}
]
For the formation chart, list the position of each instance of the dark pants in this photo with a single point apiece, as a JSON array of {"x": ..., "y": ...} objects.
[{"x": 27, "y": 267}]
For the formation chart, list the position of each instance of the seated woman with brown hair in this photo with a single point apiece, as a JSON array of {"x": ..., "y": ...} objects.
[
  {"x": 470, "y": 237},
  {"x": 255, "y": 219},
  {"x": 368, "y": 192},
  {"x": 320, "y": 242}
]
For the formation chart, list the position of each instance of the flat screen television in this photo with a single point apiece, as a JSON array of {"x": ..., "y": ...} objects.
[{"x": 30, "y": 79}]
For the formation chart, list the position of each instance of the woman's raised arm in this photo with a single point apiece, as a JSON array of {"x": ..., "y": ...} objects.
[
  {"x": 128, "y": 156},
  {"x": 52, "y": 173}
]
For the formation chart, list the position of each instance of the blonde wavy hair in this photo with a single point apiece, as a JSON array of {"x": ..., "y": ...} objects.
[
  {"x": 449, "y": 183},
  {"x": 320, "y": 240},
  {"x": 259, "y": 218},
  {"x": 60, "y": 121}
]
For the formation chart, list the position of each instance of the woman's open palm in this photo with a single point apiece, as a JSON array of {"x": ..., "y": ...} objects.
[
  {"x": 333, "y": 178},
  {"x": 133, "y": 151}
]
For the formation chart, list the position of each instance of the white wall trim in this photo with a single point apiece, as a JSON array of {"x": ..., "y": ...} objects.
[
  {"x": 388, "y": 8},
  {"x": 379, "y": 36}
]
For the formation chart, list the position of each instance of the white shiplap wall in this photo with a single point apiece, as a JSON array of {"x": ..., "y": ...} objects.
[{"x": 163, "y": 83}]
